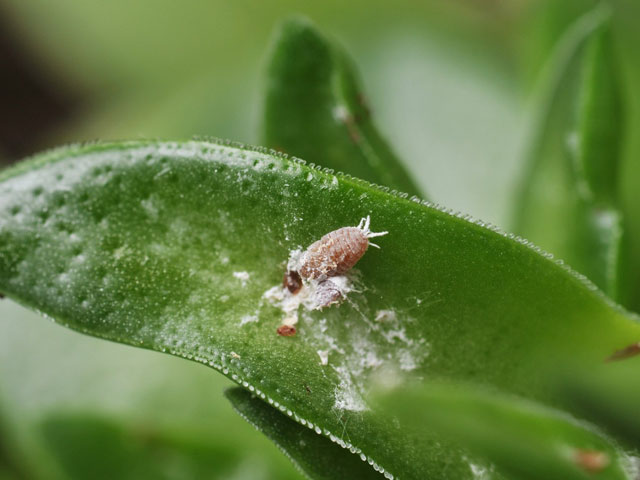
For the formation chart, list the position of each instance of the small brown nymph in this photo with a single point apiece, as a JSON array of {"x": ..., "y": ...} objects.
[
  {"x": 292, "y": 281},
  {"x": 286, "y": 330},
  {"x": 337, "y": 252}
]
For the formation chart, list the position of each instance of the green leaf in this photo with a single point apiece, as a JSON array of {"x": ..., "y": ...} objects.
[
  {"x": 172, "y": 246},
  {"x": 608, "y": 394},
  {"x": 93, "y": 447},
  {"x": 600, "y": 122},
  {"x": 314, "y": 455},
  {"x": 314, "y": 109},
  {"x": 10, "y": 461},
  {"x": 569, "y": 203},
  {"x": 523, "y": 439}
]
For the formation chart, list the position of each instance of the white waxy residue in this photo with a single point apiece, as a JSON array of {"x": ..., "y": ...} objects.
[
  {"x": 324, "y": 356},
  {"x": 312, "y": 295},
  {"x": 243, "y": 277},
  {"x": 479, "y": 472},
  {"x": 356, "y": 343},
  {"x": 347, "y": 394},
  {"x": 385, "y": 316},
  {"x": 248, "y": 319}
]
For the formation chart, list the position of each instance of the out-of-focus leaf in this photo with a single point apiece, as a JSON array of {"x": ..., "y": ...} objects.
[
  {"x": 6, "y": 474},
  {"x": 569, "y": 204},
  {"x": 609, "y": 395},
  {"x": 10, "y": 467},
  {"x": 91, "y": 447},
  {"x": 314, "y": 109},
  {"x": 541, "y": 25},
  {"x": 523, "y": 439},
  {"x": 172, "y": 246},
  {"x": 315, "y": 455},
  {"x": 21, "y": 458},
  {"x": 600, "y": 121},
  {"x": 628, "y": 37},
  {"x": 442, "y": 105}
]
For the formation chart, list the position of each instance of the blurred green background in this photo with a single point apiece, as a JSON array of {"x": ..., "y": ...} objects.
[{"x": 451, "y": 85}]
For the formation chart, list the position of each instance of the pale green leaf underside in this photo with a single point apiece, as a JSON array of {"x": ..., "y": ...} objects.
[{"x": 171, "y": 246}]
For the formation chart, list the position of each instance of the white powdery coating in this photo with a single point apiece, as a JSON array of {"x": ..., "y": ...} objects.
[
  {"x": 631, "y": 465},
  {"x": 371, "y": 360},
  {"x": 407, "y": 361},
  {"x": 248, "y": 319},
  {"x": 243, "y": 277},
  {"x": 151, "y": 207},
  {"x": 396, "y": 334},
  {"x": 347, "y": 396},
  {"x": 342, "y": 283},
  {"x": 479, "y": 472},
  {"x": 386, "y": 316},
  {"x": 375, "y": 345},
  {"x": 283, "y": 299},
  {"x": 296, "y": 260},
  {"x": 324, "y": 356},
  {"x": 374, "y": 340}
]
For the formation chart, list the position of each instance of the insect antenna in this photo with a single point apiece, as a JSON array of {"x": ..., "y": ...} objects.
[{"x": 364, "y": 226}]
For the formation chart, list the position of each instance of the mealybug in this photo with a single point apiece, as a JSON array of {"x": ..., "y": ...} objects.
[
  {"x": 316, "y": 278},
  {"x": 337, "y": 252}
]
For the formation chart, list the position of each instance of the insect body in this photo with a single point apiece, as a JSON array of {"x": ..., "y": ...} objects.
[
  {"x": 337, "y": 252},
  {"x": 316, "y": 277}
]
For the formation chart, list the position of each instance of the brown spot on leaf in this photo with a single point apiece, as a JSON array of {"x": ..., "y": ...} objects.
[
  {"x": 286, "y": 330},
  {"x": 627, "y": 352},
  {"x": 352, "y": 129},
  {"x": 362, "y": 100},
  {"x": 593, "y": 461}
]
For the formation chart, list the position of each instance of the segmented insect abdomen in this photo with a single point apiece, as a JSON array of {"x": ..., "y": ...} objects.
[{"x": 334, "y": 254}]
